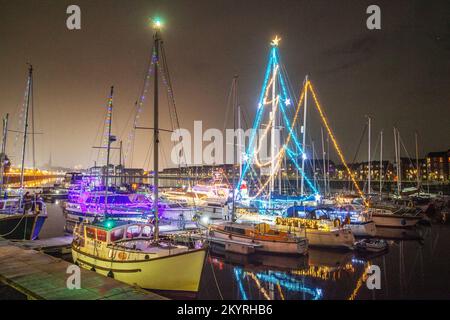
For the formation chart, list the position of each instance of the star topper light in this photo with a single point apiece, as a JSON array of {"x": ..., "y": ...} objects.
[{"x": 275, "y": 41}]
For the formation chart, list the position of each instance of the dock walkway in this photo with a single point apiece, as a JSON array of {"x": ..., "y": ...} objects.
[{"x": 43, "y": 277}]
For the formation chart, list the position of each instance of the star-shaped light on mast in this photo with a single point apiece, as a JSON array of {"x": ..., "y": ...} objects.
[{"x": 275, "y": 41}]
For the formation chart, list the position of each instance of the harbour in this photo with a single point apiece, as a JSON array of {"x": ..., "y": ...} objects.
[
  {"x": 410, "y": 268},
  {"x": 164, "y": 169}
]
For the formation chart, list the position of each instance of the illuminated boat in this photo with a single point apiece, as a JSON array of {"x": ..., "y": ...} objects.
[
  {"x": 319, "y": 233},
  {"x": 270, "y": 239},
  {"x": 130, "y": 252},
  {"x": 21, "y": 216},
  {"x": 20, "y": 223},
  {"x": 347, "y": 216},
  {"x": 392, "y": 216},
  {"x": 129, "y": 207},
  {"x": 188, "y": 198}
]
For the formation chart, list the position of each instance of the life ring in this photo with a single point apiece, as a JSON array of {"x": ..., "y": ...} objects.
[
  {"x": 337, "y": 223},
  {"x": 122, "y": 255}
]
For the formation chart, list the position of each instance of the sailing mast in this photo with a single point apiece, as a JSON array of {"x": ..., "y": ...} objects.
[
  {"x": 417, "y": 165},
  {"x": 369, "y": 171},
  {"x": 381, "y": 164},
  {"x": 235, "y": 106},
  {"x": 302, "y": 183},
  {"x": 324, "y": 164},
  {"x": 157, "y": 41},
  {"x": 25, "y": 129},
  {"x": 399, "y": 164},
  {"x": 273, "y": 130},
  {"x": 108, "y": 148},
  {"x": 3, "y": 151},
  {"x": 239, "y": 140}
]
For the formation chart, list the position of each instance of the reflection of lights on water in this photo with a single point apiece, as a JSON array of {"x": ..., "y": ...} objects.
[
  {"x": 237, "y": 274},
  {"x": 290, "y": 284},
  {"x": 361, "y": 280},
  {"x": 277, "y": 278},
  {"x": 358, "y": 261}
]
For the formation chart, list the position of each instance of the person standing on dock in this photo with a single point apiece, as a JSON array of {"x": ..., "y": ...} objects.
[{"x": 27, "y": 202}]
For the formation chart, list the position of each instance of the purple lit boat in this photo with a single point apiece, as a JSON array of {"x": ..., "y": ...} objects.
[{"x": 87, "y": 206}]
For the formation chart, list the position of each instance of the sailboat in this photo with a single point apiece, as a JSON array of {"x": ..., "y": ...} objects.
[
  {"x": 21, "y": 217},
  {"x": 134, "y": 252}
]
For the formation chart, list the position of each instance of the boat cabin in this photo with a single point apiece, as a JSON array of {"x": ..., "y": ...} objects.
[{"x": 113, "y": 231}]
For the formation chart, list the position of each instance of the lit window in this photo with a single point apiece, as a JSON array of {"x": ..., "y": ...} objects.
[
  {"x": 133, "y": 232},
  {"x": 146, "y": 231},
  {"x": 101, "y": 235},
  {"x": 90, "y": 233},
  {"x": 117, "y": 234}
]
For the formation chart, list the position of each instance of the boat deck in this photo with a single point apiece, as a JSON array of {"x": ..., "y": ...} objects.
[{"x": 43, "y": 277}]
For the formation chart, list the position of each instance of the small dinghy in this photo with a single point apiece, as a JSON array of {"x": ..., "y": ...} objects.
[{"x": 371, "y": 245}]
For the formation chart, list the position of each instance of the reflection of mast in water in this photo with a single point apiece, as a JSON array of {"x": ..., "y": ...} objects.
[{"x": 385, "y": 276}]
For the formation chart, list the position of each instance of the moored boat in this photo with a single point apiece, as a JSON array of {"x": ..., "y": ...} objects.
[
  {"x": 398, "y": 217},
  {"x": 20, "y": 223},
  {"x": 269, "y": 239},
  {"x": 130, "y": 253},
  {"x": 371, "y": 245}
]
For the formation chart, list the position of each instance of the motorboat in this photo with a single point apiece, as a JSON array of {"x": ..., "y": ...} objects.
[
  {"x": 265, "y": 237},
  {"x": 129, "y": 252}
]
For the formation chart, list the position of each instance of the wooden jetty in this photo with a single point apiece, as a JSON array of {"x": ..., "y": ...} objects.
[{"x": 43, "y": 277}]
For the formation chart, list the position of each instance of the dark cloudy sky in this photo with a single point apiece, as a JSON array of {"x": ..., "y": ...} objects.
[{"x": 400, "y": 75}]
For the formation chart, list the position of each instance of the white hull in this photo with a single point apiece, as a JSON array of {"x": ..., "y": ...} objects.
[
  {"x": 281, "y": 247},
  {"x": 330, "y": 239},
  {"x": 338, "y": 238},
  {"x": 392, "y": 220},
  {"x": 364, "y": 229},
  {"x": 213, "y": 212}
]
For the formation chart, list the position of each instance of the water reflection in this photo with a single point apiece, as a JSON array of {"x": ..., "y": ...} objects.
[{"x": 328, "y": 274}]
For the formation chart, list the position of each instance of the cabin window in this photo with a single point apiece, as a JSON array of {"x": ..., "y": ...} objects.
[
  {"x": 235, "y": 230},
  {"x": 146, "y": 231},
  {"x": 133, "y": 232},
  {"x": 90, "y": 233},
  {"x": 117, "y": 234},
  {"x": 101, "y": 235}
]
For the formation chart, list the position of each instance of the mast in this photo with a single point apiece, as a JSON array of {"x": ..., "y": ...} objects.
[
  {"x": 302, "y": 184},
  {"x": 273, "y": 129},
  {"x": 108, "y": 148},
  {"x": 239, "y": 140},
  {"x": 328, "y": 164},
  {"x": 120, "y": 153},
  {"x": 157, "y": 41},
  {"x": 314, "y": 165},
  {"x": 235, "y": 105},
  {"x": 33, "y": 131},
  {"x": 381, "y": 163},
  {"x": 417, "y": 165},
  {"x": 323, "y": 161},
  {"x": 369, "y": 171},
  {"x": 399, "y": 164},
  {"x": 25, "y": 128},
  {"x": 3, "y": 151}
]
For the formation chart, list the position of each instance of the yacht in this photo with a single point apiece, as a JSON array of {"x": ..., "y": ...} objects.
[{"x": 20, "y": 220}]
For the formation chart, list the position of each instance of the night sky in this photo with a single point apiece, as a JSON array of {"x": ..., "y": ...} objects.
[{"x": 400, "y": 75}]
